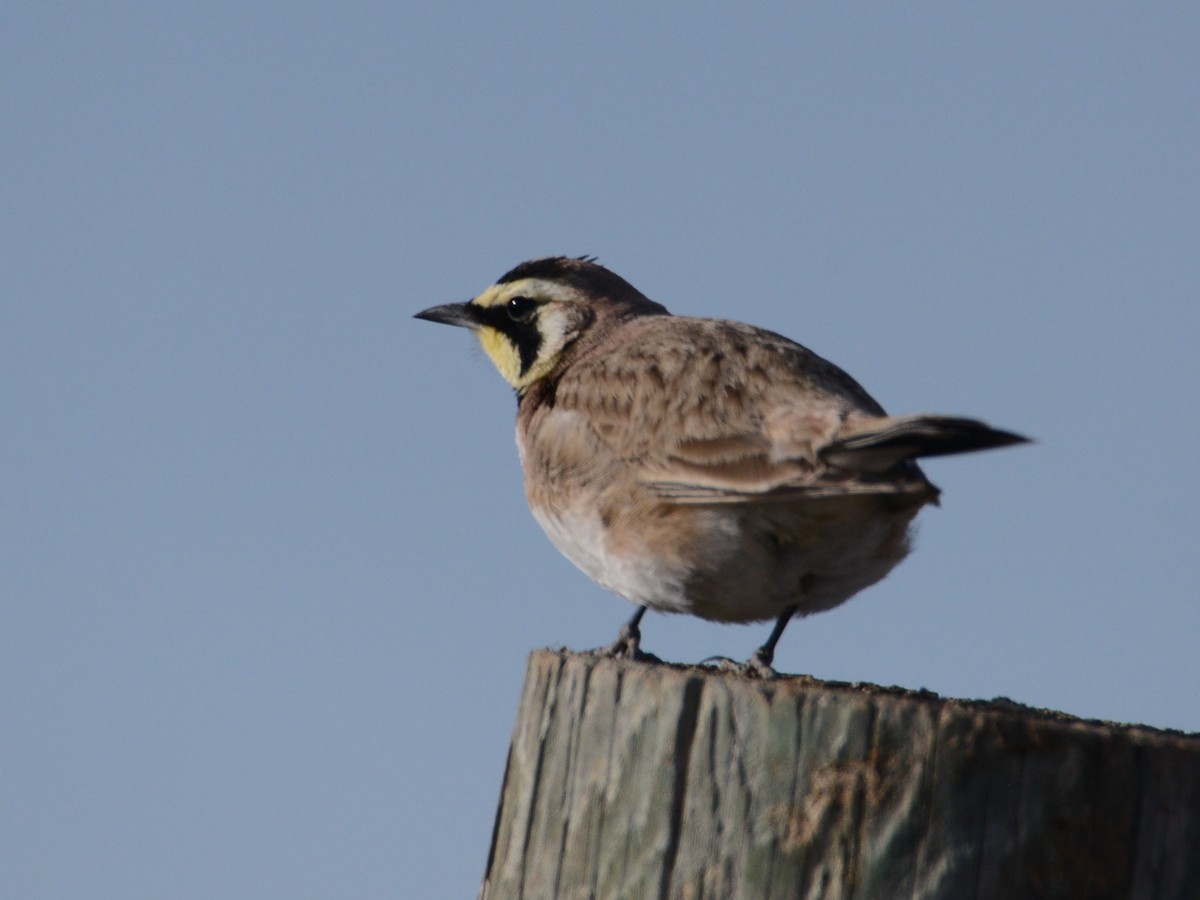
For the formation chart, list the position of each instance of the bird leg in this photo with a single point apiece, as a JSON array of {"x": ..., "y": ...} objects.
[
  {"x": 760, "y": 663},
  {"x": 629, "y": 638}
]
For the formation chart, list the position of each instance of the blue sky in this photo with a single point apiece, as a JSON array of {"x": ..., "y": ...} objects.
[{"x": 268, "y": 579}]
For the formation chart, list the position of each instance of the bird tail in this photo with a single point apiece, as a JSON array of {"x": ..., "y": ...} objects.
[{"x": 878, "y": 444}]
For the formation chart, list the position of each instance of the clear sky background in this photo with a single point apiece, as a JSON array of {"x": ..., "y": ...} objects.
[{"x": 268, "y": 578}]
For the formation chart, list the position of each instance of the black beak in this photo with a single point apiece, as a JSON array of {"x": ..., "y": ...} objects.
[{"x": 462, "y": 314}]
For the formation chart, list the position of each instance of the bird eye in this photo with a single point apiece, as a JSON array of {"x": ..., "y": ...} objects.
[{"x": 521, "y": 309}]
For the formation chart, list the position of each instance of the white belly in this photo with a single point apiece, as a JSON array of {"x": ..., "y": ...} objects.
[
  {"x": 743, "y": 563},
  {"x": 640, "y": 579}
]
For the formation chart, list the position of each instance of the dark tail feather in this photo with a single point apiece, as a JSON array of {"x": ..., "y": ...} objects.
[{"x": 877, "y": 449}]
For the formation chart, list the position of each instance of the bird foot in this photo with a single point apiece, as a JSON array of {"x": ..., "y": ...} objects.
[
  {"x": 628, "y": 646},
  {"x": 757, "y": 666}
]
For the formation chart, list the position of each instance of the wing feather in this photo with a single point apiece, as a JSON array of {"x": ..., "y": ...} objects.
[{"x": 707, "y": 411}]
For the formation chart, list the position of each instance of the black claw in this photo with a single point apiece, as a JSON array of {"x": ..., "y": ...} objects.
[
  {"x": 725, "y": 664},
  {"x": 626, "y": 644},
  {"x": 759, "y": 665},
  {"x": 629, "y": 639}
]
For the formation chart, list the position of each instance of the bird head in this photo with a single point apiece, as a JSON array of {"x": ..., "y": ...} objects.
[{"x": 538, "y": 313}]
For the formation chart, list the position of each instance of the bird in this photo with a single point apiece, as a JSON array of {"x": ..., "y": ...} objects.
[{"x": 701, "y": 465}]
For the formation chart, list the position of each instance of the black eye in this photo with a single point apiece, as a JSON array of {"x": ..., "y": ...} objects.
[{"x": 521, "y": 309}]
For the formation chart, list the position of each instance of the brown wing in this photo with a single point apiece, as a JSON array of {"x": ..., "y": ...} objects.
[{"x": 709, "y": 411}]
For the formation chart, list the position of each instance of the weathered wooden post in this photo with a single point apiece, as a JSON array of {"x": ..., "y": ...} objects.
[{"x": 638, "y": 780}]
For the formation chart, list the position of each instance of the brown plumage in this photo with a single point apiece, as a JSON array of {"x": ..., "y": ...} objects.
[{"x": 701, "y": 465}]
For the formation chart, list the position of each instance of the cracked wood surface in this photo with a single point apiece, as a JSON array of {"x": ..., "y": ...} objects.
[{"x": 640, "y": 780}]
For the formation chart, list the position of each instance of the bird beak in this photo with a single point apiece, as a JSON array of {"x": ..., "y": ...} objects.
[{"x": 462, "y": 314}]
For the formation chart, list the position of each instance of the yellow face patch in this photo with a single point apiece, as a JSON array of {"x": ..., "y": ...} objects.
[
  {"x": 502, "y": 353},
  {"x": 523, "y": 351}
]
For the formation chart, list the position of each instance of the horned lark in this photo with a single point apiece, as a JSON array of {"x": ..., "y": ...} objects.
[{"x": 700, "y": 465}]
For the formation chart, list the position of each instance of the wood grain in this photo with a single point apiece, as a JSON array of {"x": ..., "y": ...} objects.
[{"x": 643, "y": 780}]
